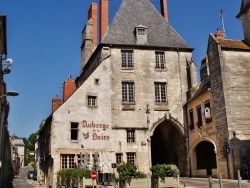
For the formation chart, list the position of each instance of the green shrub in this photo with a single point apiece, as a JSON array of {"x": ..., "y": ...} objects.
[
  {"x": 126, "y": 172},
  {"x": 164, "y": 170},
  {"x": 68, "y": 174}
]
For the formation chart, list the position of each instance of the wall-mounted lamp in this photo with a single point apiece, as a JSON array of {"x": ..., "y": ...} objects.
[
  {"x": 10, "y": 93},
  {"x": 8, "y": 65}
]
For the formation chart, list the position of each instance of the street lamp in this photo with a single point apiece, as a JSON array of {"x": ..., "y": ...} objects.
[{"x": 10, "y": 93}]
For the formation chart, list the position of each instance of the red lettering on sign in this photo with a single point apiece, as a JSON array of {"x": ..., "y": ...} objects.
[{"x": 100, "y": 137}]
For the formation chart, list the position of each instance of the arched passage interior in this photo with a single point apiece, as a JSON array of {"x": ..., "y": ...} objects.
[
  {"x": 168, "y": 146},
  {"x": 205, "y": 155}
]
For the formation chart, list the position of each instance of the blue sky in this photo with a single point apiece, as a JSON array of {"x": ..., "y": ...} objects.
[{"x": 44, "y": 38}]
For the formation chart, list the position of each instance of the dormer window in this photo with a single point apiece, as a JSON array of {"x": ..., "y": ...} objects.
[{"x": 141, "y": 35}]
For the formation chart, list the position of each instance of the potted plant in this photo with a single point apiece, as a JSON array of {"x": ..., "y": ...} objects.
[
  {"x": 127, "y": 173},
  {"x": 167, "y": 174}
]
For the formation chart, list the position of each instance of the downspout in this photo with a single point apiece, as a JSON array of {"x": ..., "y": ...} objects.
[{"x": 179, "y": 63}]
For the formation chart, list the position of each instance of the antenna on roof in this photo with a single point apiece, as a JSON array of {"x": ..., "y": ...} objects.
[{"x": 222, "y": 21}]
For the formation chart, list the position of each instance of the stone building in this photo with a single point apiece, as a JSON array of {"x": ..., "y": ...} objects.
[
  {"x": 6, "y": 169},
  {"x": 18, "y": 151},
  {"x": 127, "y": 103},
  {"x": 218, "y": 112}
]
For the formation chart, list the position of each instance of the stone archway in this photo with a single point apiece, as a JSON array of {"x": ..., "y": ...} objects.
[
  {"x": 168, "y": 143},
  {"x": 203, "y": 158}
]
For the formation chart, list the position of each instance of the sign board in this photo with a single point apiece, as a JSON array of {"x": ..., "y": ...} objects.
[{"x": 93, "y": 175}]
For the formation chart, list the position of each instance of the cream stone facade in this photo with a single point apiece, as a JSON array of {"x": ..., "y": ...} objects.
[
  {"x": 128, "y": 102},
  {"x": 221, "y": 145}
]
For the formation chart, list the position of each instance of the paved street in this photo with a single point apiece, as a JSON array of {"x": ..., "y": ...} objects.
[
  {"x": 203, "y": 183},
  {"x": 21, "y": 181}
]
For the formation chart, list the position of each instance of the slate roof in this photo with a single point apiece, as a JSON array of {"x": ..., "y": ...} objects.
[
  {"x": 202, "y": 88},
  {"x": 234, "y": 44},
  {"x": 141, "y": 12}
]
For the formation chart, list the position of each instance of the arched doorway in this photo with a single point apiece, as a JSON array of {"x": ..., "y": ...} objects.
[
  {"x": 168, "y": 145},
  {"x": 206, "y": 158}
]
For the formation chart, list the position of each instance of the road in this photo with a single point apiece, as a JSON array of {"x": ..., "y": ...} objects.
[
  {"x": 21, "y": 181},
  {"x": 204, "y": 183}
]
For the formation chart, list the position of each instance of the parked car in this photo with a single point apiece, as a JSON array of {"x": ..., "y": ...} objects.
[
  {"x": 30, "y": 174},
  {"x": 35, "y": 176}
]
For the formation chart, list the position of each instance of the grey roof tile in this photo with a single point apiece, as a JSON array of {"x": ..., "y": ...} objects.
[{"x": 141, "y": 12}]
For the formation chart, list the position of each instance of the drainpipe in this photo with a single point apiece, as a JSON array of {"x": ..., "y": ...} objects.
[{"x": 179, "y": 63}]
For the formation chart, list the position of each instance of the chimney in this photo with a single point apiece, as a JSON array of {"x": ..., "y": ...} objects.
[
  {"x": 164, "y": 9},
  {"x": 68, "y": 88},
  {"x": 219, "y": 34},
  {"x": 56, "y": 103},
  {"x": 103, "y": 18},
  {"x": 92, "y": 14}
]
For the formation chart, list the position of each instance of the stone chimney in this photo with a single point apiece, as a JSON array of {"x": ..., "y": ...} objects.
[
  {"x": 68, "y": 88},
  {"x": 104, "y": 17},
  {"x": 164, "y": 9},
  {"x": 219, "y": 34},
  {"x": 92, "y": 14},
  {"x": 56, "y": 103}
]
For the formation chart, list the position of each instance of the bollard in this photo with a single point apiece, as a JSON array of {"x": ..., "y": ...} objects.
[
  {"x": 210, "y": 183},
  {"x": 239, "y": 179},
  {"x": 221, "y": 186}
]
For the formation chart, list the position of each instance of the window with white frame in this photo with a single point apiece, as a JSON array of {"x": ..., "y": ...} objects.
[
  {"x": 131, "y": 158},
  {"x": 128, "y": 92},
  {"x": 127, "y": 59},
  {"x": 160, "y": 60},
  {"x": 67, "y": 161},
  {"x": 92, "y": 100},
  {"x": 74, "y": 131},
  {"x": 118, "y": 158},
  {"x": 130, "y": 135},
  {"x": 160, "y": 92}
]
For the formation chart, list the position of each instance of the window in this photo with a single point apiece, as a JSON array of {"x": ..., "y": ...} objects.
[
  {"x": 74, "y": 131},
  {"x": 207, "y": 114},
  {"x": 131, "y": 158},
  {"x": 127, "y": 92},
  {"x": 127, "y": 59},
  {"x": 199, "y": 116},
  {"x": 191, "y": 120},
  {"x": 141, "y": 32},
  {"x": 160, "y": 93},
  {"x": 118, "y": 158},
  {"x": 92, "y": 101},
  {"x": 130, "y": 135},
  {"x": 67, "y": 161},
  {"x": 160, "y": 60}
]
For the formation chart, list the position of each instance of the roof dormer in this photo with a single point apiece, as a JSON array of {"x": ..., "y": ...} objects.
[{"x": 141, "y": 34}]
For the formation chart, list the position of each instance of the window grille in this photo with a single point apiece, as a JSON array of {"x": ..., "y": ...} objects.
[
  {"x": 160, "y": 60},
  {"x": 92, "y": 101},
  {"x": 160, "y": 93},
  {"x": 130, "y": 135},
  {"x": 118, "y": 158},
  {"x": 127, "y": 59},
  {"x": 67, "y": 161},
  {"x": 131, "y": 158},
  {"x": 127, "y": 92}
]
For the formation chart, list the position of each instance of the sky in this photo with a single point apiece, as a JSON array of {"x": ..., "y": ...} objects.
[{"x": 44, "y": 39}]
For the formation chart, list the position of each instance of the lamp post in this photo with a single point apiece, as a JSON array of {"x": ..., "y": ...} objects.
[{"x": 10, "y": 93}]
